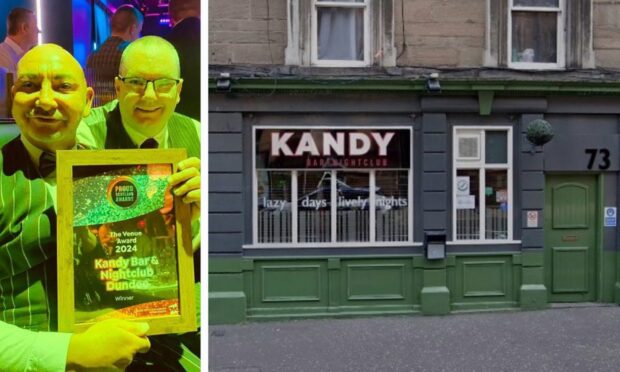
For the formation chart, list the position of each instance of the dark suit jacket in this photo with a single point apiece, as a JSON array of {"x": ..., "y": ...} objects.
[
  {"x": 185, "y": 36},
  {"x": 27, "y": 241},
  {"x": 181, "y": 133}
]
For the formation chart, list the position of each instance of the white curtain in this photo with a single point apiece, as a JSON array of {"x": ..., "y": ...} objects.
[{"x": 341, "y": 33}]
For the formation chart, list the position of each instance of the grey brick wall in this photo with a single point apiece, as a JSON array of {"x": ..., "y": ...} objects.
[{"x": 447, "y": 33}]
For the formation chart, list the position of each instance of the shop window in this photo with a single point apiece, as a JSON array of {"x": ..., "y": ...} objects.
[
  {"x": 316, "y": 186},
  {"x": 482, "y": 192},
  {"x": 539, "y": 34},
  {"x": 340, "y": 33}
]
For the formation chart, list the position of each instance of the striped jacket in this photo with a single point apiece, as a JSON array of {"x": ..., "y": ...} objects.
[{"x": 27, "y": 243}]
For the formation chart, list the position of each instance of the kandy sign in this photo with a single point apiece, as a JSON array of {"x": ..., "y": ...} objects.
[{"x": 285, "y": 148}]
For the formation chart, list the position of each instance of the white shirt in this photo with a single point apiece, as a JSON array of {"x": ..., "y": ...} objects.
[
  {"x": 137, "y": 138},
  {"x": 10, "y": 53}
]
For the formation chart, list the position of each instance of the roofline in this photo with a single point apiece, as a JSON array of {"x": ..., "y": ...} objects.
[
  {"x": 454, "y": 81},
  {"x": 417, "y": 86}
]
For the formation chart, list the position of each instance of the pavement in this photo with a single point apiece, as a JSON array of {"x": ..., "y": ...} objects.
[{"x": 563, "y": 338}]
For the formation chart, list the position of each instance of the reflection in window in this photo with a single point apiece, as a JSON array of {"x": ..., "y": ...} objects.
[
  {"x": 353, "y": 217},
  {"x": 274, "y": 207},
  {"x": 496, "y": 145},
  {"x": 467, "y": 206},
  {"x": 496, "y": 197},
  {"x": 392, "y": 206},
  {"x": 313, "y": 205}
]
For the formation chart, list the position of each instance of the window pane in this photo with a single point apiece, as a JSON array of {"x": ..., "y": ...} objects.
[
  {"x": 392, "y": 212},
  {"x": 313, "y": 206},
  {"x": 496, "y": 147},
  {"x": 534, "y": 37},
  {"x": 496, "y": 198},
  {"x": 542, "y": 3},
  {"x": 341, "y": 33},
  {"x": 353, "y": 217},
  {"x": 274, "y": 207},
  {"x": 467, "y": 204}
]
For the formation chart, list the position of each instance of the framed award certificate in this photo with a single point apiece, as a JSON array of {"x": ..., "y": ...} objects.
[{"x": 124, "y": 241}]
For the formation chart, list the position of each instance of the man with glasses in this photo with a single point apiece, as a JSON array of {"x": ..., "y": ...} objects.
[{"x": 148, "y": 89}]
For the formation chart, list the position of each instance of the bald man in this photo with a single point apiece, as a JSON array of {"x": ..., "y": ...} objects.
[
  {"x": 148, "y": 88},
  {"x": 50, "y": 97}
]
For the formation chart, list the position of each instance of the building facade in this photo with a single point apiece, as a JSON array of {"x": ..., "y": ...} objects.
[{"x": 397, "y": 157}]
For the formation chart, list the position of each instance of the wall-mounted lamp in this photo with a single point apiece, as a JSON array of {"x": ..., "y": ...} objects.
[
  {"x": 223, "y": 83},
  {"x": 432, "y": 83},
  {"x": 435, "y": 245}
]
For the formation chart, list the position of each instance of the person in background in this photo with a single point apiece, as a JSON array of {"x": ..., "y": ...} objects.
[
  {"x": 50, "y": 97},
  {"x": 22, "y": 34},
  {"x": 185, "y": 36},
  {"x": 102, "y": 65}
]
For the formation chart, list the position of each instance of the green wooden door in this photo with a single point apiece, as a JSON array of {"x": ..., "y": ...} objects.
[{"x": 570, "y": 238}]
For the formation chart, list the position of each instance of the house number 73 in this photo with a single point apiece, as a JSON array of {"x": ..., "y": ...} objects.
[{"x": 603, "y": 155}]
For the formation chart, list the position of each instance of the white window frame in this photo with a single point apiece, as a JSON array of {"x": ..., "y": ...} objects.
[
  {"x": 294, "y": 196},
  {"x": 301, "y": 49},
  {"x": 561, "y": 38},
  {"x": 314, "y": 39},
  {"x": 481, "y": 165}
]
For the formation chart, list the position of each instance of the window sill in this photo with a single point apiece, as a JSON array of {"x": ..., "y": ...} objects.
[
  {"x": 339, "y": 63},
  {"x": 535, "y": 66},
  {"x": 332, "y": 245},
  {"x": 482, "y": 242}
]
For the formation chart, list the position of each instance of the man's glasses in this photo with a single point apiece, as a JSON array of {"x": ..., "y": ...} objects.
[{"x": 138, "y": 85}]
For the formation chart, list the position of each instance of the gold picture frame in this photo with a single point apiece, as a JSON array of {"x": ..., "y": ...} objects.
[{"x": 119, "y": 231}]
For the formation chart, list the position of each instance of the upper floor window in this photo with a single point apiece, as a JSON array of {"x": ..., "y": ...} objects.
[
  {"x": 319, "y": 186},
  {"x": 483, "y": 192},
  {"x": 539, "y": 34},
  {"x": 536, "y": 34},
  {"x": 340, "y": 33}
]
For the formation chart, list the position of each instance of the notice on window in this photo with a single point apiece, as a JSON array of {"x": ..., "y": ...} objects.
[
  {"x": 462, "y": 185},
  {"x": 465, "y": 202},
  {"x": 501, "y": 196}
]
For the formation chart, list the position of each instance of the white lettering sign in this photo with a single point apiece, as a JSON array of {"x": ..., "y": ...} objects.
[
  {"x": 279, "y": 144},
  {"x": 359, "y": 143}
]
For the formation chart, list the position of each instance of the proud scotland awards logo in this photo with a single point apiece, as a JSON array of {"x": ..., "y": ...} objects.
[{"x": 122, "y": 192}]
